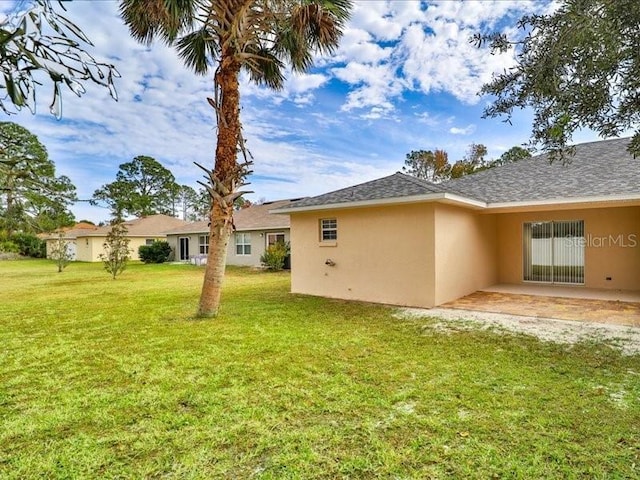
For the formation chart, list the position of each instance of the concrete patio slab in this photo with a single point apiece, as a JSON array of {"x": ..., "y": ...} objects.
[
  {"x": 567, "y": 291},
  {"x": 564, "y": 308}
]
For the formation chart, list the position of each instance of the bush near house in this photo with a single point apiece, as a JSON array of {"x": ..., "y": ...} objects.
[
  {"x": 274, "y": 256},
  {"x": 157, "y": 252},
  {"x": 7, "y": 246},
  {"x": 24, "y": 244}
]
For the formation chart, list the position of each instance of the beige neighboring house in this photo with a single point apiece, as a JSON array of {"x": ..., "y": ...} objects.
[
  {"x": 140, "y": 231},
  {"x": 255, "y": 230},
  {"x": 400, "y": 240},
  {"x": 69, "y": 235}
]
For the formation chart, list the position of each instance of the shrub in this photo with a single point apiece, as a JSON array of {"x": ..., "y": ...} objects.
[
  {"x": 157, "y": 252},
  {"x": 274, "y": 256},
  {"x": 8, "y": 246},
  {"x": 116, "y": 248},
  {"x": 29, "y": 245}
]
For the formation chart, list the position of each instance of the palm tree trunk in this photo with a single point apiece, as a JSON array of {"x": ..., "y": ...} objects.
[
  {"x": 226, "y": 171},
  {"x": 219, "y": 235}
]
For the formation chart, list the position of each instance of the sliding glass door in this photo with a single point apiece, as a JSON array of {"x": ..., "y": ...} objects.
[{"x": 553, "y": 252}]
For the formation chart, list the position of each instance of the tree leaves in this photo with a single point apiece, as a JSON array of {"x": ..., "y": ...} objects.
[
  {"x": 578, "y": 67},
  {"x": 25, "y": 49},
  {"x": 142, "y": 187},
  {"x": 32, "y": 198}
]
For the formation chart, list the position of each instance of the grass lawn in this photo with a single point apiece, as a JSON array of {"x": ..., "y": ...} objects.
[{"x": 115, "y": 379}]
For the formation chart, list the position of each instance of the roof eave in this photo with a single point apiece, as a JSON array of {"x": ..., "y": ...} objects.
[
  {"x": 565, "y": 202},
  {"x": 431, "y": 197}
]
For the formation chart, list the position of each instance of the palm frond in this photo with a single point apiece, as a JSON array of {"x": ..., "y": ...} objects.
[
  {"x": 165, "y": 19},
  {"x": 311, "y": 26},
  {"x": 198, "y": 50},
  {"x": 264, "y": 67},
  {"x": 292, "y": 46}
]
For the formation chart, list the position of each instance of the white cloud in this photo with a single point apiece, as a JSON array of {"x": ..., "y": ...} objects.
[{"x": 469, "y": 129}]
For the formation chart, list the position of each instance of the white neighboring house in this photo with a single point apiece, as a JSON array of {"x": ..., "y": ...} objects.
[{"x": 255, "y": 230}]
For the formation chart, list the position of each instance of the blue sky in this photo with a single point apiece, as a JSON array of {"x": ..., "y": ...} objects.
[{"x": 404, "y": 78}]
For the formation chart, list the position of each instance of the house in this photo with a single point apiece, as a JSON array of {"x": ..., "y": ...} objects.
[
  {"x": 400, "y": 240},
  {"x": 140, "y": 231},
  {"x": 255, "y": 230},
  {"x": 69, "y": 235}
]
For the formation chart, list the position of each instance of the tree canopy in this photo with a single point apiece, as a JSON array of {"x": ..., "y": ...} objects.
[
  {"x": 28, "y": 55},
  {"x": 428, "y": 165},
  {"x": 434, "y": 166},
  {"x": 32, "y": 197},
  {"x": 142, "y": 187},
  {"x": 576, "y": 68},
  {"x": 473, "y": 161},
  {"x": 510, "y": 156}
]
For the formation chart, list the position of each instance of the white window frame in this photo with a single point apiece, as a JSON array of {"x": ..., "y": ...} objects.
[
  {"x": 270, "y": 235},
  {"x": 203, "y": 244},
  {"x": 243, "y": 240},
  {"x": 328, "y": 229}
]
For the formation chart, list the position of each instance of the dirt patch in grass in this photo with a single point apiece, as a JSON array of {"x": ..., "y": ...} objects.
[{"x": 624, "y": 338}]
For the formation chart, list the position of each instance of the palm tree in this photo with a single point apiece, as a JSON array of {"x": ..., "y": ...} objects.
[{"x": 261, "y": 37}]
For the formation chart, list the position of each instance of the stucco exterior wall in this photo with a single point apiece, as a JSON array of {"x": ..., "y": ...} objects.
[
  {"x": 382, "y": 254},
  {"x": 174, "y": 243},
  {"x": 258, "y": 246},
  {"x": 465, "y": 252},
  {"x": 71, "y": 247},
  {"x": 612, "y": 245},
  {"x": 88, "y": 249}
]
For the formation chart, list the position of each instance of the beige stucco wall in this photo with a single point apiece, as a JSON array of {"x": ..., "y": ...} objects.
[
  {"x": 383, "y": 254},
  {"x": 90, "y": 248},
  {"x": 465, "y": 252},
  {"x": 612, "y": 245},
  {"x": 52, "y": 243}
]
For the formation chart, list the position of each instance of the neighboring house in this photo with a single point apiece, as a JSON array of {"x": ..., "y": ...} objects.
[
  {"x": 140, "y": 231},
  {"x": 255, "y": 230},
  {"x": 404, "y": 241},
  {"x": 69, "y": 235}
]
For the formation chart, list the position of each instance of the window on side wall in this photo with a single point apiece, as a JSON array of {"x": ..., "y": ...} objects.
[
  {"x": 328, "y": 230},
  {"x": 243, "y": 243},
  {"x": 203, "y": 242},
  {"x": 149, "y": 241}
]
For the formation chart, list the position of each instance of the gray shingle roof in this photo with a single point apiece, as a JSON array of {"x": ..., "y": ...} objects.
[
  {"x": 603, "y": 168},
  {"x": 598, "y": 169},
  {"x": 394, "y": 186}
]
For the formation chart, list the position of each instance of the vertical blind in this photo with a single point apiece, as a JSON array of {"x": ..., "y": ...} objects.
[{"x": 554, "y": 252}]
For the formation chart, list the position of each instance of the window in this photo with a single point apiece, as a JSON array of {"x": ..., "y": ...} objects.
[
  {"x": 328, "y": 229},
  {"x": 149, "y": 241},
  {"x": 273, "y": 238},
  {"x": 243, "y": 244},
  {"x": 203, "y": 242},
  {"x": 553, "y": 252}
]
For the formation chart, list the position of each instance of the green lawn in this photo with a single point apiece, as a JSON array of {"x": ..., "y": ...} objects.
[{"x": 115, "y": 379}]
